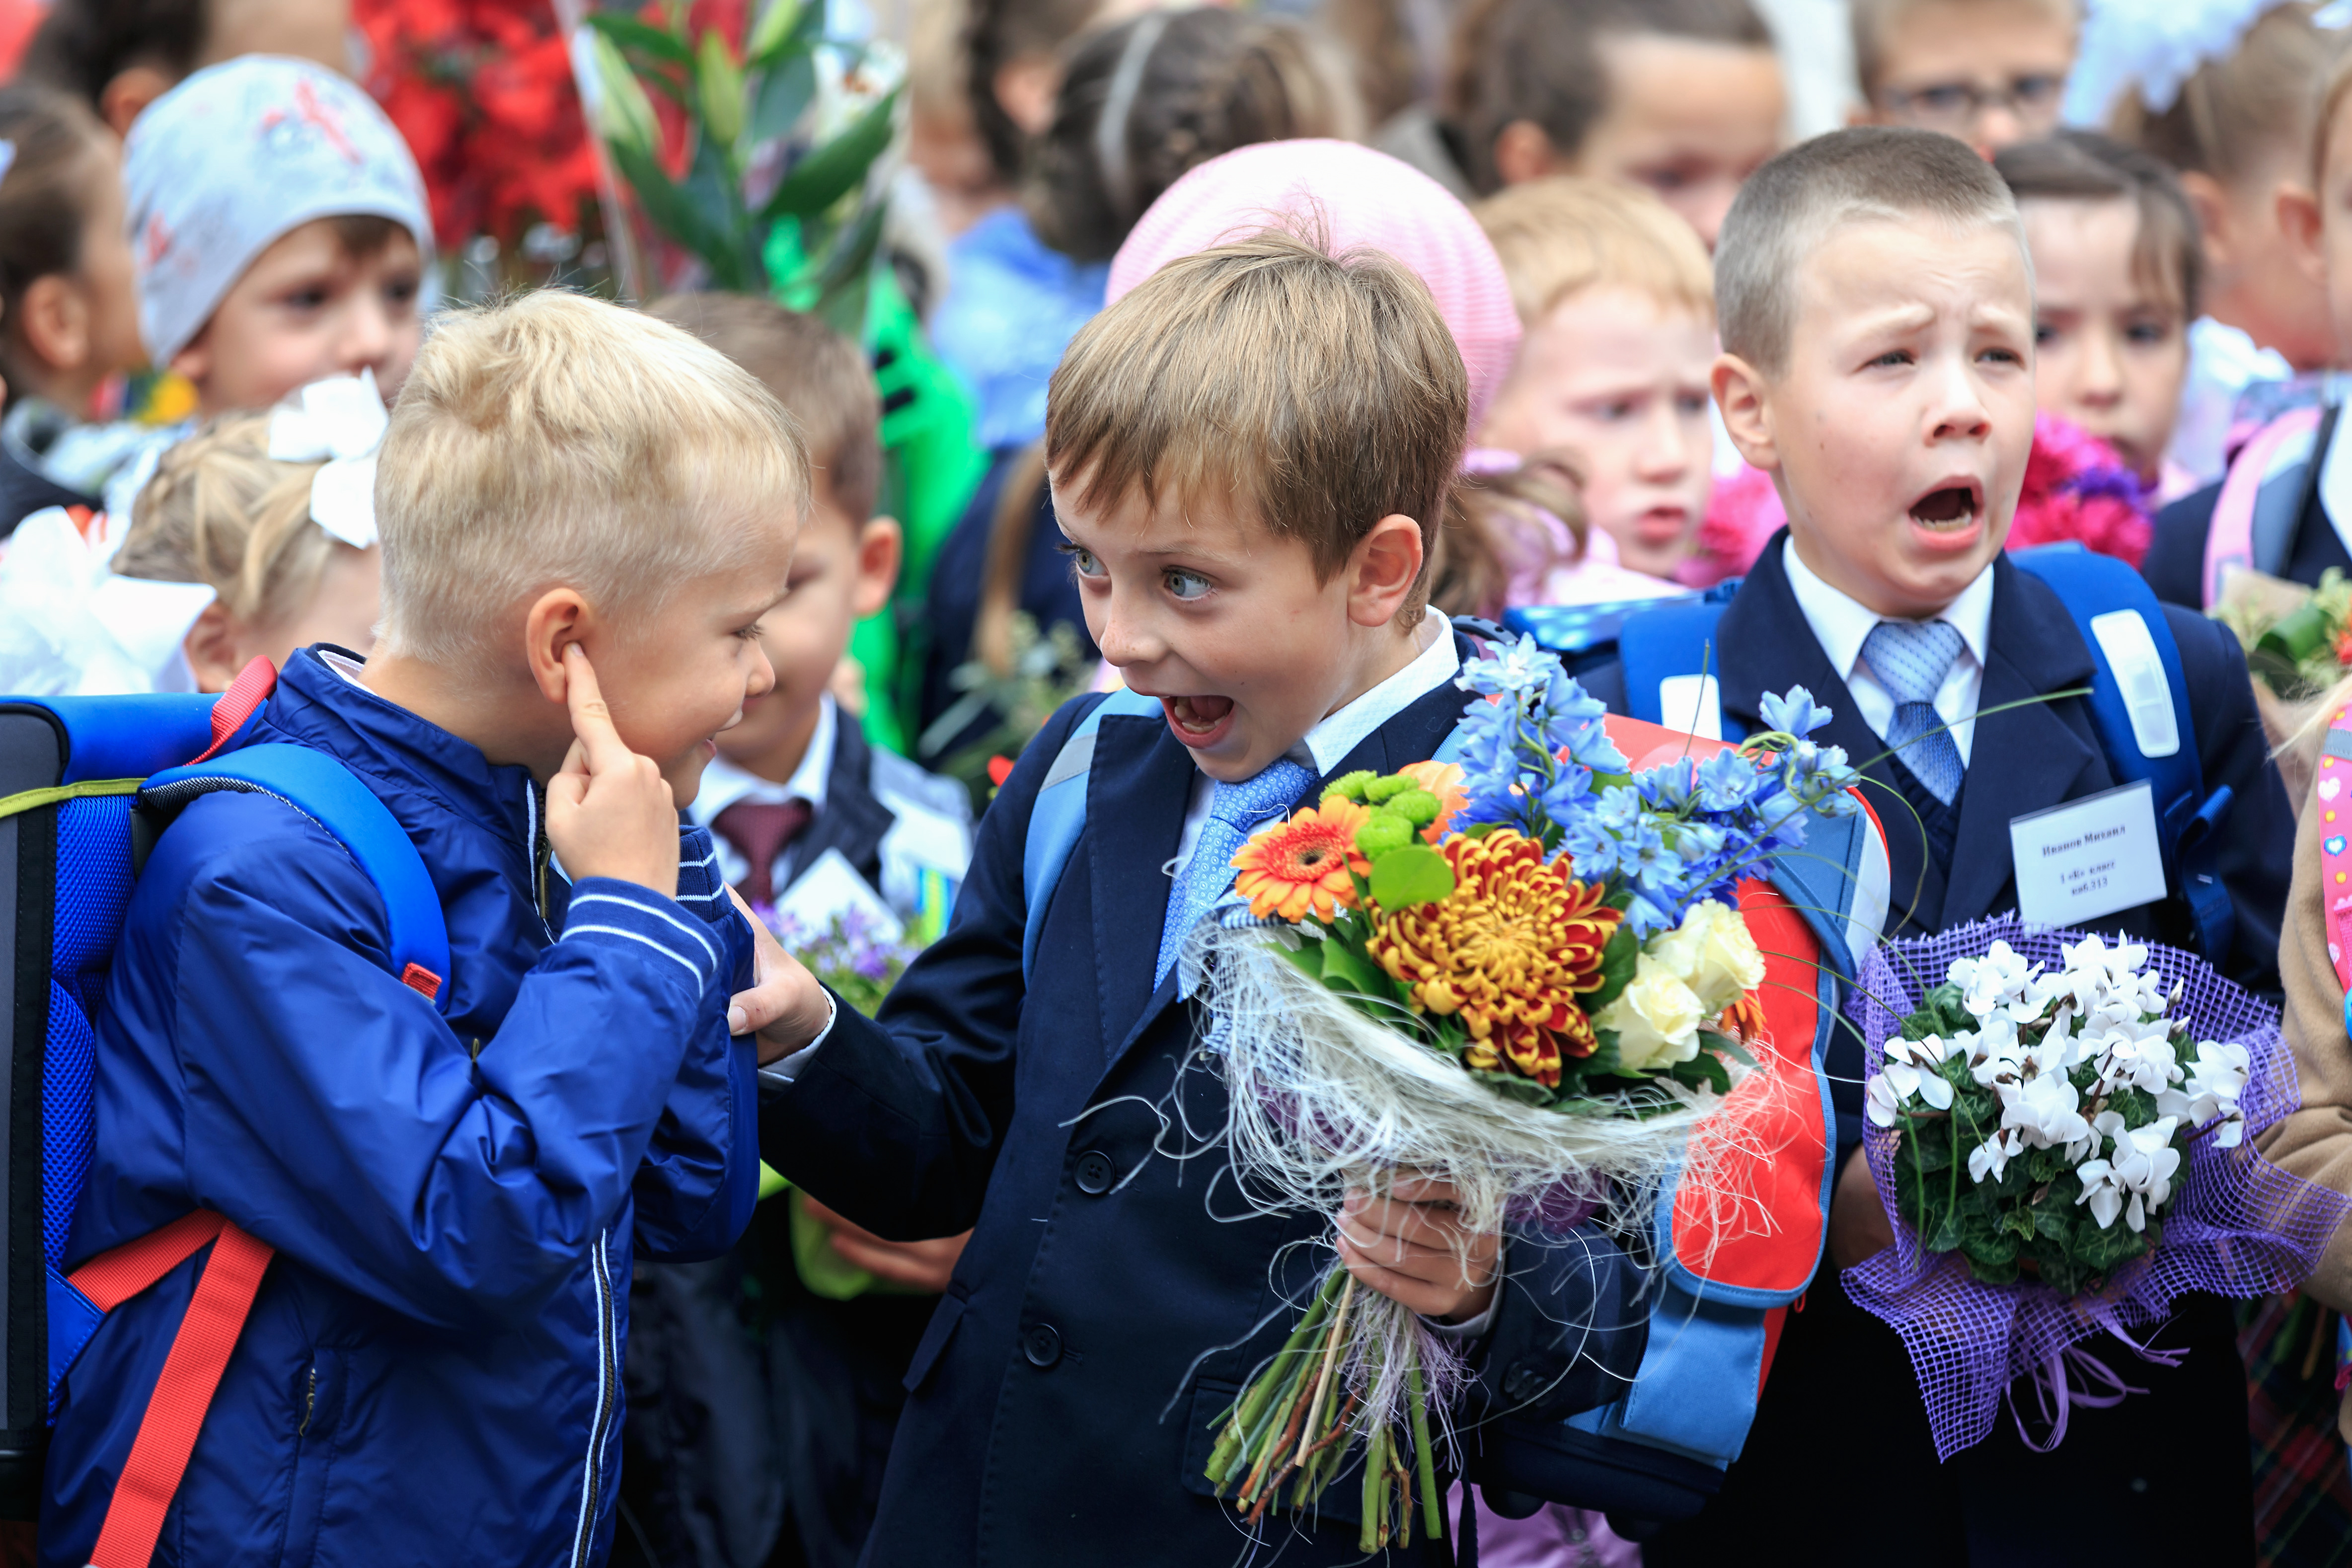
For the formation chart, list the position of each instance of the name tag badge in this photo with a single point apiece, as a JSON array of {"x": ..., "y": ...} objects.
[{"x": 2088, "y": 858}]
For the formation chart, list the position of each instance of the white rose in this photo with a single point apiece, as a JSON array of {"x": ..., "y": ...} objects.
[
  {"x": 1712, "y": 953},
  {"x": 1656, "y": 1018}
]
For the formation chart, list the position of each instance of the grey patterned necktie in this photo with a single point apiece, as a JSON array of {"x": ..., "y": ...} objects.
[{"x": 1911, "y": 659}]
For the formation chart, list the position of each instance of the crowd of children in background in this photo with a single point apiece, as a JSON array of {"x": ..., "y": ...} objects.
[{"x": 2106, "y": 256}]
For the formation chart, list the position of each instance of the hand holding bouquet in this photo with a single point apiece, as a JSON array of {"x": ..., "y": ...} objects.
[{"x": 1523, "y": 977}]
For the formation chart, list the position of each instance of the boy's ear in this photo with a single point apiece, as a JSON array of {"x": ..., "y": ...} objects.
[
  {"x": 195, "y": 362},
  {"x": 1524, "y": 151},
  {"x": 1739, "y": 388},
  {"x": 556, "y": 619},
  {"x": 879, "y": 548},
  {"x": 211, "y": 648},
  {"x": 2298, "y": 219},
  {"x": 1382, "y": 569},
  {"x": 56, "y": 322}
]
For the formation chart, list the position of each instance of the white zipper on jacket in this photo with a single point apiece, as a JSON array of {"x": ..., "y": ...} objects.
[{"x": 608, "y": 1373}]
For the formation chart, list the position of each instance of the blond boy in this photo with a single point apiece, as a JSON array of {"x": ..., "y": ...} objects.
[
  {"x": 584, "y": 516},
  {"x": 1878, "y": 316},
  {"x": 1989, "y": 72},
  {"x": 1617, "y": 301},
  {"x": 1246, "y": 452}
]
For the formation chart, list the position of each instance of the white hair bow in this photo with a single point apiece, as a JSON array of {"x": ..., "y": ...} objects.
[{"x": 339, "y": 421}]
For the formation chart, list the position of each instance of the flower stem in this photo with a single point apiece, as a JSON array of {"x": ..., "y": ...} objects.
[
  {"x": 1432, "y": 1514},
  {"x": 1373, "y": 1534},
  {"x": 1244, "y": 1417}
]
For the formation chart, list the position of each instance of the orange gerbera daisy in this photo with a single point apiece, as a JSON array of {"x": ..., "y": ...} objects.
[
  {"x": 1509, "y": 951},
  {"x": 1290, "y": 870},
  {"x": 1443, "y": 779}
]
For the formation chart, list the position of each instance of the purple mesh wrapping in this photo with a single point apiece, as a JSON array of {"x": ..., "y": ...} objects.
[{"x": 2239, "y": 1226}]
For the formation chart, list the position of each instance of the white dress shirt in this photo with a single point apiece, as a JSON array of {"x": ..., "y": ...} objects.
[
  {"x": 1842, "y": 624},
  {"x": 1326, "y": 745},
  {"x": 724, "y": 784}
]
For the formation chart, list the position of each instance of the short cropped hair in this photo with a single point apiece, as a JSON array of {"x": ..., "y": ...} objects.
[
  {"x": 1868, "y": 172},
  {"x": 2167, "y": 257},
  {"x": 1564, "y": 233},
  {"x": 819, "y": 376},
  {"x": 1875, "y": 21},
  {"x": 1541, "y": 60},
  {"x": 1322, "y": 392},
  {"x": 557, "y": 441}
]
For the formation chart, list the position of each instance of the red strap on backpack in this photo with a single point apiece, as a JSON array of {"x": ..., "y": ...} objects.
[
  {"x": 192, "y": 1369},
  {"x": 248, "y": 692}
]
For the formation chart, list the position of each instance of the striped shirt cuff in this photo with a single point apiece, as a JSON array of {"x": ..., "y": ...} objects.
[{"x": 606, "y": 911}]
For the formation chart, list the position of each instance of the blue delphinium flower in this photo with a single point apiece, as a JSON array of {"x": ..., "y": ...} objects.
[
  {"x": 1514, "y": 669},
  {"x": 1619, "y": 808},
  {"x": 1668, "y": 788},
  {"x": 1726, "y": 781},
  {"x": 1794, "y": 713},
  {"x": 1592, "y": 846}
]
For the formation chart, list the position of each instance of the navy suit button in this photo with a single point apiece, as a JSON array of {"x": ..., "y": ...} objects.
[
  {"x": 1522, "y": 1383},
  {"x": 1042, "y": 1345},
  {"x": 1095, "y": 1173}
]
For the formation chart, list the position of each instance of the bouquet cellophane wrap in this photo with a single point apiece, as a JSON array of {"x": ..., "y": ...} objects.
[{"x": 2242, "y": 1226}]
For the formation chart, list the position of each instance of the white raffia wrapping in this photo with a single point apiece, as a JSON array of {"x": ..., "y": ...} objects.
[{"x": 1296, "y": 1058}]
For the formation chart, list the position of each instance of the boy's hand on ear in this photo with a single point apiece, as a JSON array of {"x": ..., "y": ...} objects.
[
  {"x": 785, "y": 1007},
  {"x": 1410, "y": 1246},
  {"x": 609, "y": 810}
]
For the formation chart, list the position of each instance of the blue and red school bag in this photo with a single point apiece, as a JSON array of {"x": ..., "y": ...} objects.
[{"x": 86, "y": 784}]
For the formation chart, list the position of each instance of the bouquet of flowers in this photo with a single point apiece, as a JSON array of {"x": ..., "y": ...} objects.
[
  {"x": 1523, "y": 974},
  {"x": 852, "y": 953},
  {"x": 2060, "y": 1134}
]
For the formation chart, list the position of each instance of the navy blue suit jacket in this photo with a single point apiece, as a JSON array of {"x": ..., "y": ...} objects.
[
  {"x": 1842, "y": 1382},
  {"x": 1117, "y": 1289}
]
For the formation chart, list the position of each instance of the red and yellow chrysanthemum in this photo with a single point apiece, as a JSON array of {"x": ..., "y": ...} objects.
[
  {"x": 1293, "y": 869},
  {"x": 1508, "y": 951}
]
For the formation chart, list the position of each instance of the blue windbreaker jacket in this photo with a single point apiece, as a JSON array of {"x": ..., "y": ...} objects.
[{"x": 431, "y": 1373}]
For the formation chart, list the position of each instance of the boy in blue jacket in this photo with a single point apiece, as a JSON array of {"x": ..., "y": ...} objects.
[
  {"x": 584, "y": 515},
  {"x": 1246, "y": 452},
  {"x": 1876, "y": 306}
]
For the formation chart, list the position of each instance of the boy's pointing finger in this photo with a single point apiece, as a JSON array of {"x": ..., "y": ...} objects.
[{"x": 592, "y": 721}]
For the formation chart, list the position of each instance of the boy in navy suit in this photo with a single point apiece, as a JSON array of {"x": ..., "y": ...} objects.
[
  {"x": 1243, "y": 452},
  {"x": 1877, "y": 317}
]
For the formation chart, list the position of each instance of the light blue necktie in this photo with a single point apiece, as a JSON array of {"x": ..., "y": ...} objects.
[
  {"x": 1911, "y": 659},
  {"x": 1235, "y": 810}
]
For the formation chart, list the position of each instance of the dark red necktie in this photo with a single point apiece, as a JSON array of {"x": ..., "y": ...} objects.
[{"x": 758, "y": 832}]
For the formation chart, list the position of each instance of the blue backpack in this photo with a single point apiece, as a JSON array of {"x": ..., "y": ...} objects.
[
  {"x": 86, "y": 785},
  {"x": 1659, "y": 1453},
  {"x": 2139, "y": 702}
]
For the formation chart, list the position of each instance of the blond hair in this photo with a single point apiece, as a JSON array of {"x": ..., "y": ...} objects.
[
  {"x": 816, "y": 374},
  {"x": 221, "y": 511},
  {"x": 1562, "y": 234},
  {"x": 1866, "y": 174},
  {"x": 2236, "y": 116},
  {"x": 557, "y": 441},
  {"x": 1875, "y": 21},
  {"x": 1323, "y": 392}
]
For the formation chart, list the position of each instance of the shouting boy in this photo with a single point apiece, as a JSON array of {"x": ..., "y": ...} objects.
[
  {"x": 1876, "y": 308},
  {"x": 585, "y": 516},
  {"x": 1247, "y": 452}
]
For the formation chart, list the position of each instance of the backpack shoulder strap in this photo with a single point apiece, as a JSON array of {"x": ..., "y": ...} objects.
[
  {"x": 2139, "y": 706},
  {"x": 2230, "y": 539},
  {"x": 1059, "y": 815},
  {"x": 2335, "y": 808},
  {"x": 324, "y": 790},
  {"x": 1671, "y": 660}
]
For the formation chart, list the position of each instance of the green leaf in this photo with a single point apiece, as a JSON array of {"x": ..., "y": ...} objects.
[
  {"x": 785, "y": 94},
  {"x": 1703, "y": 1070},
  {"x": 719, "y": 84},
  {"x": 1412, "y": 875},
  {"x": 770, "y": 31},
  {"x": 821, "y": 178},
  {"x": 630, "y": 33},
  {"x": 1308, "y": 957},
  {"x": 1618, "y": 961},
  {"x": 668, "y": 206},
  {"x": 1344, "y": 971},
  {"x": 710, "y": 189}
]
